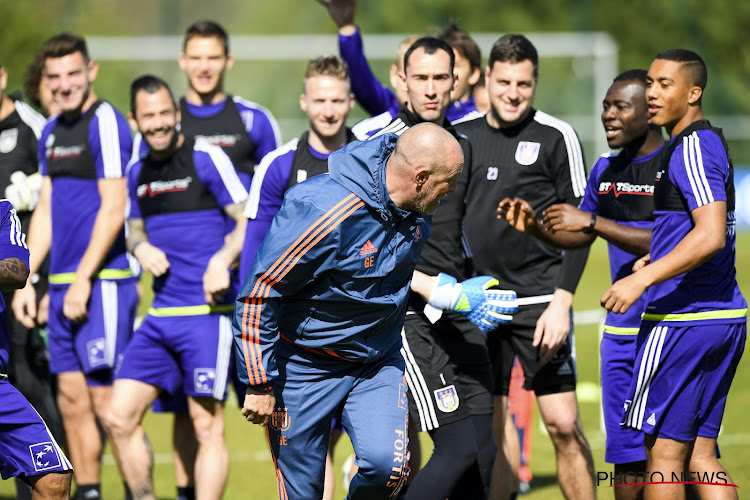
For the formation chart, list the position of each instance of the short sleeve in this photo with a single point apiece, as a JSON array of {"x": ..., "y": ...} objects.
[
  {"x": 217, "y": 173},
  {"x": 111, "y": 142},
  {"x": 699, "y": 168}
]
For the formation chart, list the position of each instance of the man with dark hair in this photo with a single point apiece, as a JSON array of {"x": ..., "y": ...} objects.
[
  {"x": 693, "y": 330},
  {"x": 383, "y": 103},
  {"x": 28, "y": 371},
  {"x": 448, "y": 366},
  {"x": 618, "y": 205},
  {"x": 246, "y": 131},
  {"x": 27, "y": 447},
  {"x": 179, "y": 193},
  {"x": 317, "y": 320},
  {"x": 327, "y": 100},
  {"x": 520, "y": 151},
  {"x": 79, "y": 222}
]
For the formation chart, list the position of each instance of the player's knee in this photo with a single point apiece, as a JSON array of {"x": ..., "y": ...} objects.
[
  {"x": 565, "y": 430},
  {"x": 52, "y": 486},
  {"x": 383, "y": 469},
  {"x": 208, "y": 428},
  {"x": 118, "y": 421}
]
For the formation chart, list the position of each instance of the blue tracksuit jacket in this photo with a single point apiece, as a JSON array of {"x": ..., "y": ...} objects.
[{"x": 332, "y": 275}]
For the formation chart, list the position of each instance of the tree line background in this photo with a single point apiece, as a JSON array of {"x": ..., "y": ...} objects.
[{"x": 717, "y": 30}]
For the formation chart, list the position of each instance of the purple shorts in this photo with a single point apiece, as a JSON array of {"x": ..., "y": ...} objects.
[
  {"x": 94, "y": 346},
  {"x": 26, "y": 444},
  {"x": 188, "y": 352},
  {"x": 624, "y": 445},
  {"x": 682, "y": 378}
]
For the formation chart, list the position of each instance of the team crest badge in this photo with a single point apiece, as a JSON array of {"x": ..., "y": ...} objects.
[
  {"x": 447, "y": 399},
  {"x": 418, "y": 233},
  {"x": 44, "y": 456},
  {"x": 280, "y": 419},
  {"x": 8, "y": 140},
  {"x": 204, "y": 378},
  {"x": 97, "y": 352},
  {"x": 527, "y": 152}
]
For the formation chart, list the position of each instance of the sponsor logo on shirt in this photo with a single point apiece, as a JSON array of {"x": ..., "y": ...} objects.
[
  {"x": 65, "y": 152},
  {"x": 44, "y": 456},
  {"x": 527, "y": 152},
  {"x": 8, "y": 140},
  {"x": 368, "y": 248},
  {"x": 154, "y": 188},
  {"x": 223, "y": 140},
  {"x": 619, "y": 188}
]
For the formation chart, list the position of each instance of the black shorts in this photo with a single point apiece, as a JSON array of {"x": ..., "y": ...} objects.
[
  {"x": 448, "y": 370},
  {"x": 515, "y": 339}
]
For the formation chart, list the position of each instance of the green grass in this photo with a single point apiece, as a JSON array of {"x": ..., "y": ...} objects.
[{"x": 251, "y": 472}]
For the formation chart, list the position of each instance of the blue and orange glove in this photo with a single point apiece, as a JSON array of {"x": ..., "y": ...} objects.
[{"x": 475, "y": 298}]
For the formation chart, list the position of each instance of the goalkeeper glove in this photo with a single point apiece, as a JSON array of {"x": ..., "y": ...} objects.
[{"x": 484, "y": 307}]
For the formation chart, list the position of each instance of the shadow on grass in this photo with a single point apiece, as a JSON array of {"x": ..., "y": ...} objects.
[{"x": 542, "y": 481}]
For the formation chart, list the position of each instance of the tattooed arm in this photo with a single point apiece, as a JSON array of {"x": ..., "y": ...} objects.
[{"x": 13, "y": 274}]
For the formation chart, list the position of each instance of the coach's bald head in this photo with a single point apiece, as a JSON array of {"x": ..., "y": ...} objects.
[{"x": 423, "y": 168}]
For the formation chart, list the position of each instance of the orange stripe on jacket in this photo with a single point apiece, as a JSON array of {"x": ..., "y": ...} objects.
[
  {"x": 293, "y": 258},
  {"x": 280, "y": 486},
  {"x": 251, "y": 313}
]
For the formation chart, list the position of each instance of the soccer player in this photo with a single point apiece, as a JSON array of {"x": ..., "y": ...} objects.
[
  {"x": 27, "y": 447},
  {"x": 327, "y": 100},
  {"x": 20, "y": 128},
  {"x": 317, "y": 320},
  {"x": 79, "y": 222},
  {"x": 383, "y": 103},
  {"x": 618, "y": 205},
  {"x": 179, "y": 193},
  {"x": 693, "y": 329},
  {"x": 521, "y": 151},
  {"x": 448, "y": 366},
  {"x": 246, "y": 131}
]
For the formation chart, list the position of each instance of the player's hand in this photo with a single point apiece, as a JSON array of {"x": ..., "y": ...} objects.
[
  {"x": 474, "y": 298},
  {"x": 258, "y": 408},
  {"x": 565, "y": 217},
  {"x": 518, "y": 213},
  {"x": 623, "y": 293},
  {"x": 42, "y": 314},
  {"x": 24, "y": 305},
  {"x": 76, "y": 301},
  {"x": 341, "y": 11},
  {"x": 642, "y": 262},
  {"x": 153, "y": 259},
  {"x": 216, "y": 280},
  {"x": 553, "y": 326}
]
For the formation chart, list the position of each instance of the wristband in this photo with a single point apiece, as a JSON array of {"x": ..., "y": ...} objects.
[{"x": 590, "y": 229}]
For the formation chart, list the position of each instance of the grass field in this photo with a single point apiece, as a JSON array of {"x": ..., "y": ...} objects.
[{"x": 252, "y": 477}]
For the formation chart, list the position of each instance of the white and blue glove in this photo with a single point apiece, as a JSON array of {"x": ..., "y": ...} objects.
[{"x": 484, "y": 307}]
